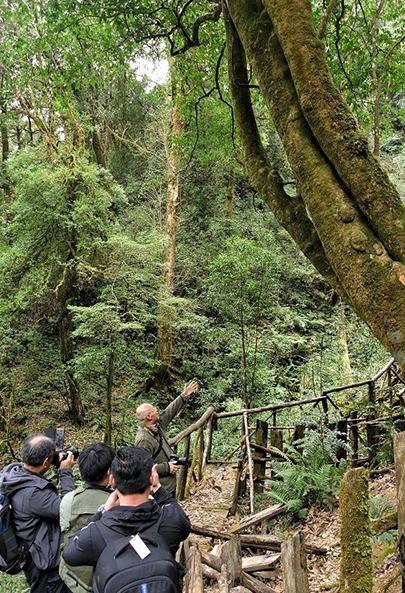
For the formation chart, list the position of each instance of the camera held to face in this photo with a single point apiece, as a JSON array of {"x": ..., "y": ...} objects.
[
  {"x": 61, "y": 454},
  {"x": 178, "y": 460}
]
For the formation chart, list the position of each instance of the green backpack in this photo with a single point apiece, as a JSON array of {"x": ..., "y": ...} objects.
[{"x": 75, "y": 510}]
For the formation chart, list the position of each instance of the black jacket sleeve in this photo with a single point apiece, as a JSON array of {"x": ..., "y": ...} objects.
[
  {"x": 67, "y": 483},
  {"x": 84, "y": 548},
  {"x": 175, "y": 525}
]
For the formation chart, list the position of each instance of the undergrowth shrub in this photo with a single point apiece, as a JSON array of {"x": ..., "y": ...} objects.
[{"x": 313, "y": 474}]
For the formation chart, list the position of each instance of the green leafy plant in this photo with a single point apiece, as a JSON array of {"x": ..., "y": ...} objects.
[{"x": 313, "y": 475}]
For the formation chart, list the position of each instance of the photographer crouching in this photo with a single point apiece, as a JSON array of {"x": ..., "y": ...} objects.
[{"x": 35, "y": 502}]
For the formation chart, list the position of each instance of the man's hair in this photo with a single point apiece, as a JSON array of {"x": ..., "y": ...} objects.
[
  {"x": 95, "y": 461},
  {"x": 143, "y": 410},
  {"x": 131, "y": 469},
  {"x": 36, "y": 448}
]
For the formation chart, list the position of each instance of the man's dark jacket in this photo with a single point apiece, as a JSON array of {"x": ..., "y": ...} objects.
[
  {"x": 88, "y": 544},
  {"x": 154, "y": 441},
  {"x": 36, "y": 502}
]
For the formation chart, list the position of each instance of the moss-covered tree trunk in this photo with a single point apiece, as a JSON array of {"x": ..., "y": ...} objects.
[
  {"x": 354, "y": 210},
  {"x": 356, "y": 567},
  {"x": 173, "y": 163}
]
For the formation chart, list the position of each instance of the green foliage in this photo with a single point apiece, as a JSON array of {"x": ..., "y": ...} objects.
[
  {"x": 313, "y": 475},
  {"x": 15, "y": 584},
  {"x": 380, "y": 506}
]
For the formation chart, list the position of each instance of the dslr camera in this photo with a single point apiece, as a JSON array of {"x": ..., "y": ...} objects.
[
  {"x": 178, "y": 460},
  {"x": 61, "y": 454},
  {"x": 58, "y": 436}
]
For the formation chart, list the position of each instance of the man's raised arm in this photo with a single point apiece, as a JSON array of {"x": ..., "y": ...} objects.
[{"x": 175, "y": 406}]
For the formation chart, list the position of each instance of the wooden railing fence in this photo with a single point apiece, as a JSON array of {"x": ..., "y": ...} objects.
[{"x": 364, "y": 432}]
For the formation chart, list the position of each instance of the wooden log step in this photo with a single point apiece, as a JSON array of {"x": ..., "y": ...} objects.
[
  {"x": 266, "y": 514},
  {"x": 255, "y": 563}
]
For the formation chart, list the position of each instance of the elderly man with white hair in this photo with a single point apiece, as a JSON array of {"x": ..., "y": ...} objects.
[{"x": 151, "y": 436}]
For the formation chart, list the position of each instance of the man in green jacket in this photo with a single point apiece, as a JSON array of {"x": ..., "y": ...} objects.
[
  {"x": 151, "y": 436},
  {"x": 81, "y": 504}
]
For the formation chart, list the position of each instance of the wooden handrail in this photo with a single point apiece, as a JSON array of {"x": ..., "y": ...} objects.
[
  {"x": 383, "y": 370},
  {"x": 193, "y": 427},
  {"x": 298, "y": 402}
]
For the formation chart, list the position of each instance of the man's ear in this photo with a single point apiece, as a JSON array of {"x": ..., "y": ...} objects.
[
  {"x": 113, "y": 483},
  {"x": 46, "y": 464}
]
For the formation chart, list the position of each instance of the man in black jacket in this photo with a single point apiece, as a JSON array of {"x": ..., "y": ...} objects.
[
  {"x": 129, "y": 509},
  {"x": 36, "y": 503}
]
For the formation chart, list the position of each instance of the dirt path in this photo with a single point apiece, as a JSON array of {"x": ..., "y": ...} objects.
[{"x": 208, "y": 507}]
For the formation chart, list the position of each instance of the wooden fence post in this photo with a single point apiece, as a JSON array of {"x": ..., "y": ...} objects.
[
  {"x": 399, "y": 454},
  {"x": 276, "y": 439},
  {"x": 236, "y": 491},
  {"x": 207, "y": 451},
  {"x": 231, "y": 557},
  {"x": 250, "y": 464},
  {"x": 341, "y": 429},
  {"x": 294, "y": 563},
  {"x": 356, "y": 567},
  {"x": 259, "y": 467},
  {"x": 354, "y": 438},
  {"x": 194, "y": 565},
  {"x": 372, "y": 429},
  {"x": 200, "y": 454},
  {"x": 182, "y": 477}
]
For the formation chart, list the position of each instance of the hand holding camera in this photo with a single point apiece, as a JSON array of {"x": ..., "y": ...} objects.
[{"x": 65, "y": 459}]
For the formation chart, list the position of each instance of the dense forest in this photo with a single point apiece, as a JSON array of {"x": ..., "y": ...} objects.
[{"x": 197, "y": 189}]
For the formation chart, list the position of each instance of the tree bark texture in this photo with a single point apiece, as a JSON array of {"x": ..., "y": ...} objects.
[
  {"x": 290, "y": 212},
  {"x": 356, "y": 231},
  {"x": 333, "y": 125},
  {"x": 173, "y": 161},
  {"x": 356, "y": 567},
  {"x": 399, "y": 453},
  {"x": 294, "y": 563},
  {"x": 108, "y": 401}
]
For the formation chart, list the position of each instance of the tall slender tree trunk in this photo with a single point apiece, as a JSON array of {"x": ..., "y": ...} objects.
[
  {"x": 108, "y": 400},
  {"x": 230, "y": 195},
  {"x": 5, "y": 144},
  {"x": 173, "y": 164},
  {"x": 347, "y": 372},
  {"x": 76, "y": 407}
]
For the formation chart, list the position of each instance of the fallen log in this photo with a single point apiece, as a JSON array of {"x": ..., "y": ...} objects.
[
  {"x": 210, "y": 573},
  {"x": 254, "y": 584},
  {"x": 385, "y": 523},
  {"x": 262, "y": 542},
  {"x": 212, "y": 561},
  {"x": 255, "y": 563},
  {"x": 266, "y": 514},
  {"x": 273, "y": 543}
]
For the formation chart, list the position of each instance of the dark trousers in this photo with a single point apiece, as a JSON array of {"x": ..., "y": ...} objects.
[{"x": 44, "y": 581}]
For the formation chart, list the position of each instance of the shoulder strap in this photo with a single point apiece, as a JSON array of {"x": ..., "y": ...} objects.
[{"x": 160, "y": 447}]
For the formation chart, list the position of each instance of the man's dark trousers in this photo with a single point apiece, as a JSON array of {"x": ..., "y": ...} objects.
[{"x": 44, "y": 581}]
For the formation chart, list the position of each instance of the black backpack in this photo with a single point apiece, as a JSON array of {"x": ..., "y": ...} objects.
[
  {"x": 121, "y": 570},
  {"x": 12, "y": 553}
]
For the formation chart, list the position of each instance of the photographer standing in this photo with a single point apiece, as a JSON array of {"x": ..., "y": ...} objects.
[
  {"x": 151, "y": 436},
  {"x": 36, "y": 503}
]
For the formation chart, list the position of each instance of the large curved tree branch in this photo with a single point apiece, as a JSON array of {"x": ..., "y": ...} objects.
[
  {"x": 358, "y": 258},
  {"x": 290, "y": 212},
  {"x": 334, "y": 126}
]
